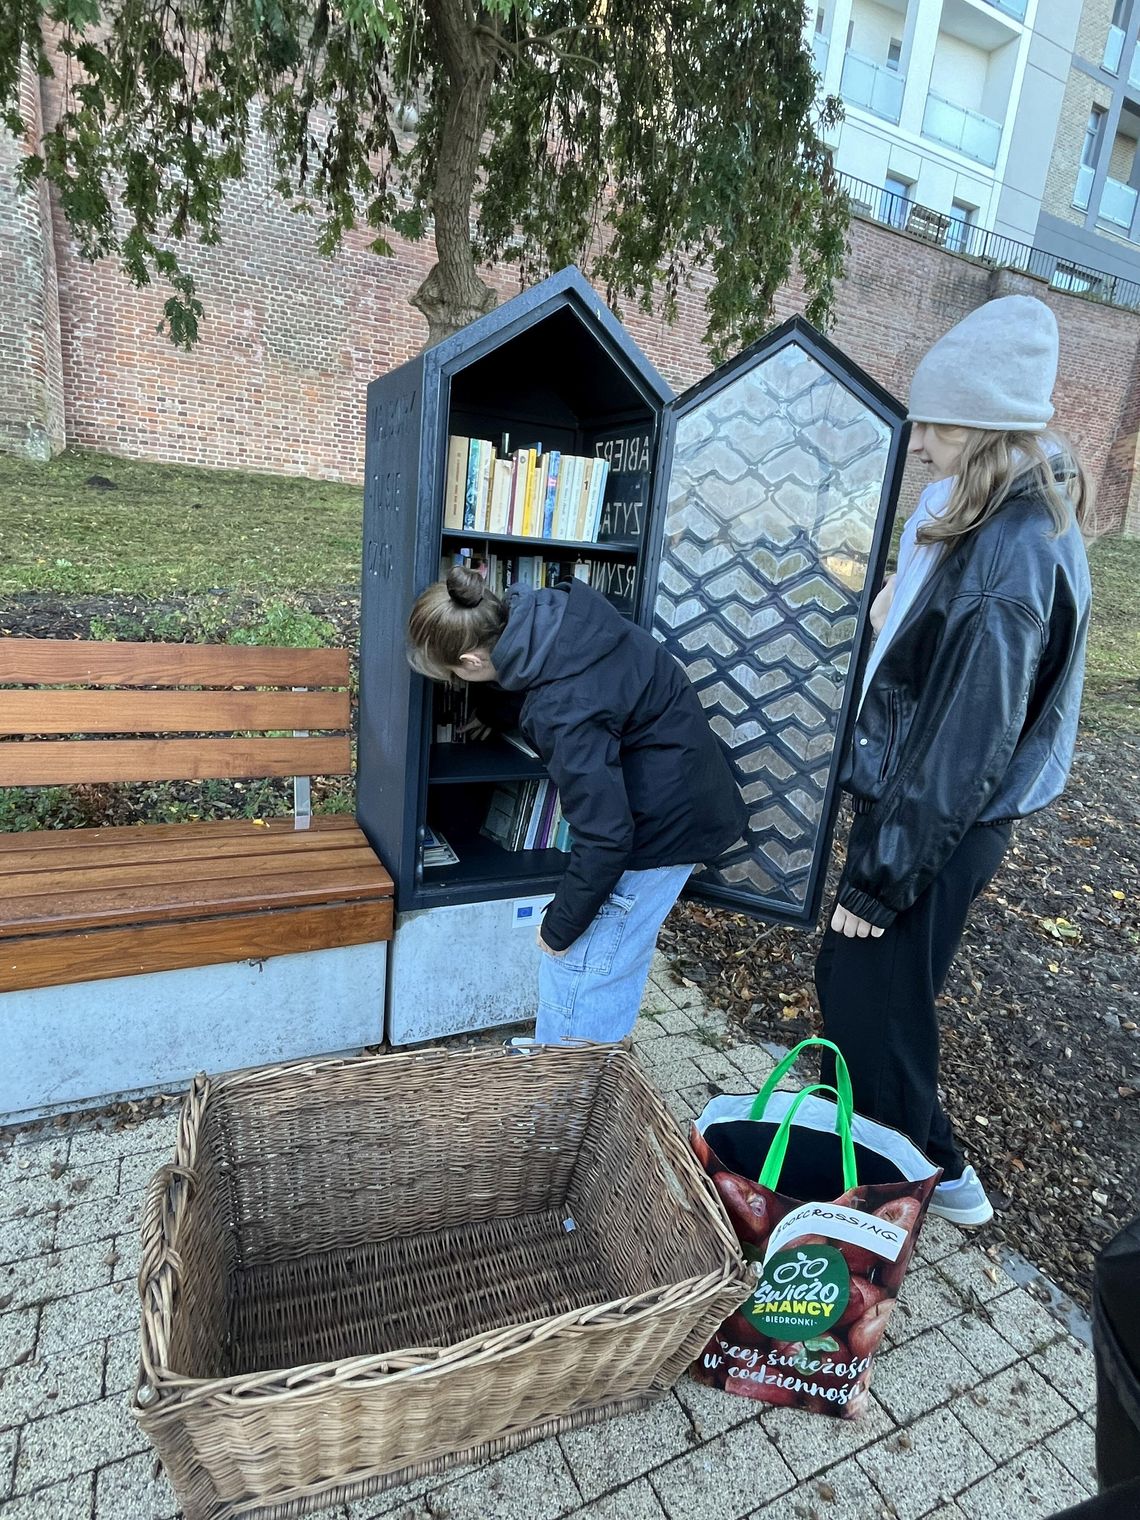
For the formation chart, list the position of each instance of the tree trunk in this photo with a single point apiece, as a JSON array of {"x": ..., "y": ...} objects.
[{"x": 453, "y": 293}]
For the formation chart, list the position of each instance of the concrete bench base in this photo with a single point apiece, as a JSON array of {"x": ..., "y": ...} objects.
[{"x": 92, "y": 1042}]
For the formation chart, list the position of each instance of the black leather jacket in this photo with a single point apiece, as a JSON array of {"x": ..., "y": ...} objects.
[{"x": 971, "y": 717}]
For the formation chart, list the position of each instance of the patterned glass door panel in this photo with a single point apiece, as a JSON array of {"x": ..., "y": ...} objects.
[{"x": 777, "y": 482}]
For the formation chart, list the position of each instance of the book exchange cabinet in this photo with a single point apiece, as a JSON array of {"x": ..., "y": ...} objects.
[{"x": 745, "y": 522}]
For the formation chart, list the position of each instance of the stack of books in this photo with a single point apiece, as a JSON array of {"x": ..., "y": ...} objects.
[
  {"x": 528, "y": 494},
  {"x": 437, "y": 851},
  {"x": 527, "y": 815}
]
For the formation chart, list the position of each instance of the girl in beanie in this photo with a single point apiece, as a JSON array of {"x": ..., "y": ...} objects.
[
  {"x": 643, "y": 781},
  {"x": 969, "y": 710}
]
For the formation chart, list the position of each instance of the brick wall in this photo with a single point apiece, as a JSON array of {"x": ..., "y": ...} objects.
[
  {"x": 290, "y": 341},
  {"x": 1092, "y": 31},
  {"x": 31, "y": 376}
]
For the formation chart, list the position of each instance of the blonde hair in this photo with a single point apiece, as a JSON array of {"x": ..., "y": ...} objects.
[
  {"x": 990, "y": 467},
  {"x": 450, "y": 619}
]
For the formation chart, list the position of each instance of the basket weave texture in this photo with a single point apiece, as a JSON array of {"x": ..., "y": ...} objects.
[{"x": 357, "y": 1272}]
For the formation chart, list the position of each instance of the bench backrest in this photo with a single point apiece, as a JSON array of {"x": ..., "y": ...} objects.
[{"x": 163, "y": 690}]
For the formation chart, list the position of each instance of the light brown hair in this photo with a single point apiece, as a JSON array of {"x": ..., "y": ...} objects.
[
  {"x": 993, "y": 464},
  {"x": 450, "y": 619}
]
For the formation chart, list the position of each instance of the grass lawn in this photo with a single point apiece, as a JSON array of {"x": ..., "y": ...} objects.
[
  {"x": 169, "y": 529},
  {"x": 160, "y": 529}
]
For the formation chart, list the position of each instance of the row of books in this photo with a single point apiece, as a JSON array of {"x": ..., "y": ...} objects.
[
  {"x": 452, "y": 713},
  {"x": 527, "y": 815},
  {"x": 503, "y": 570},
  {"x": 530, "y": 494}
]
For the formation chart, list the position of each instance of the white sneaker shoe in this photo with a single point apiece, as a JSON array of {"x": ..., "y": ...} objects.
[{"x": 963, "y": 1202}]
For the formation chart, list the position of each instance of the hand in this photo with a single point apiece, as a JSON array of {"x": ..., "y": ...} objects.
[
  {"x": 545, "y": 948},
  {"x": 848, "y": 924},
  {"x": 881, "y": 606},
  {"x": 475, "y": 728}
]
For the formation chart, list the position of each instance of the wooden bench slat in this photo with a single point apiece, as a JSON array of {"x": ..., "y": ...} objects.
[
  {"x": 66, "y": 761},
  {"x": 171, "y": 712},
  {"x": 193, "y": 899},
  {"x": 166, "y": 833},
  {"x": 248, "y": 844},
  {"x": 52, "y": 960},
  {"x": 63, "y": 662},
  {"x": 163, "y": 875}
]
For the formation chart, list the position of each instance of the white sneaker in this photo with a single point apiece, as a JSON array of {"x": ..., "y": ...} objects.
[{"x": 963, "y": 1202}]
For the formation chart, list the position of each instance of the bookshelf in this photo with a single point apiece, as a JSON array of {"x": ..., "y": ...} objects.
[{"x": 745, "y": 522}]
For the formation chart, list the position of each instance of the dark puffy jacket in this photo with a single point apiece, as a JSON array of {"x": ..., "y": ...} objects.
[
  {"x": 972, "y": 715},
  {"x": 643, "y": 780}
]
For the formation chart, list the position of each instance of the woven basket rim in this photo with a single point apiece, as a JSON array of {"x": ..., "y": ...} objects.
[{"x": 159, "y": 1389}]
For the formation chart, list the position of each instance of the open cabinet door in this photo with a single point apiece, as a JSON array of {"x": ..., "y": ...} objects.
[{"x": 775, "y": 490}]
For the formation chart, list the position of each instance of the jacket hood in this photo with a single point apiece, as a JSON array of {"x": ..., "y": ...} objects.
[{"x": 553, "y": 633}]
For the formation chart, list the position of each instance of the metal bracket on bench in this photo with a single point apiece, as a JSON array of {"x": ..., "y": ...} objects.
[{"x": 302, "y": 786}]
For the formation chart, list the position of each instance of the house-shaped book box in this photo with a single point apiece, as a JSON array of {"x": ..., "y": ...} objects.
[{"x": 745, "y": 523}]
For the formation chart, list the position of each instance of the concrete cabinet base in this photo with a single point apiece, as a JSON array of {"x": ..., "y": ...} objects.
[
  {"x": 71, "y": 1047},
  {"x": 463, "y": 968}
]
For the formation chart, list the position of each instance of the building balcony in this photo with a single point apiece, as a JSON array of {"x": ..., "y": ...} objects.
[
  {"x": 971, "y": 133},
  {"x": 1134, "y": 69},
  {"x": 1118, "y": 204},
  {"x": 1113, "y": 48},
  {"x": 1083, "y": 192},
  {"x": 819, "y": 51},
  {"x": 873, "y": 86}
]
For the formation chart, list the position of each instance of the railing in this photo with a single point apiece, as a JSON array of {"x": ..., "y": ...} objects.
[
  {"x": 901, "y": 213},
  {"x": 1118, "y": 204},
  {"x": 1113, "y": 49},
  {"x": 820, "y": 49},
  {"x": 1014, "y": 8},
  {"x": 969, "y": 132},
  {"x": 873, "y": 86},
  {"x": 1083, "y": 190}
]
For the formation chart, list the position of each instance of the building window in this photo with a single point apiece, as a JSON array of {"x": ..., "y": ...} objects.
[
  {"x": 850, "y": 34},
  {"x": 820, "y": 21},
  {"x": 958, "y": 232},
  {"x": 896, "y": 202},
  {"x": 1121, "y": 13},
  {"x": 1090, "y": 152},
  {"x": 894, "y": 54},
  {"x": 1072, "y": 277}
]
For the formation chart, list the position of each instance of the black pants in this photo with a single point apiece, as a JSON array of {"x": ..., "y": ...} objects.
[{"x": 877, "y": 997}]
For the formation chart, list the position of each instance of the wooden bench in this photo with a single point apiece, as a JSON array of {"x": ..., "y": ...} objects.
[{"x": 115, "y": 905}]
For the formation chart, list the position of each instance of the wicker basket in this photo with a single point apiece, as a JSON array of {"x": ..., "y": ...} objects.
[{"x": 359, "y": 1271}]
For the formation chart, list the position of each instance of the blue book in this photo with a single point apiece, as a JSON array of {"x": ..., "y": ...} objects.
[
  {"x": 471, "y": 496},
  {"x": 553, "y": 461}
]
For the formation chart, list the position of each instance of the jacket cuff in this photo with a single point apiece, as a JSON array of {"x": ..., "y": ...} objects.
[
  {"x": 558, "y": 938},
  {"x": 864, "y": 906}
]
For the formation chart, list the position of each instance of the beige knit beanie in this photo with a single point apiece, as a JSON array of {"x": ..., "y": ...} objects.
[{"x": 995, "y": 370}]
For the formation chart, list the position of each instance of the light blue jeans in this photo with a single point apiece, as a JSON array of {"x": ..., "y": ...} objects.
[{"x": 594, "y": 991}]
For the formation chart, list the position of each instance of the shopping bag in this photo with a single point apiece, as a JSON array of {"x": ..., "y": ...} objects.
[{"x": 828, "y": 1204}]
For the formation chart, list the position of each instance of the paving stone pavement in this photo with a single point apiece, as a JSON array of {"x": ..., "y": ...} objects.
[{"x": 982, "y": 1401}]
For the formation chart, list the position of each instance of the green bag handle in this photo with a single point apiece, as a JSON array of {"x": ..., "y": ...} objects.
[
  {"x": 778, "y": 1150},
  {"x": 842, "y": 1078}
]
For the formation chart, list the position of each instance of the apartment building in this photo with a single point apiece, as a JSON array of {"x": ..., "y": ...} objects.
[
  {"x": 1014, "y": 118},
  {"x": 1089, "y": 207}
]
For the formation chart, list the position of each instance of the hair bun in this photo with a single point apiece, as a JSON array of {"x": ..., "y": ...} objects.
[{"x": 466, "y": 587}]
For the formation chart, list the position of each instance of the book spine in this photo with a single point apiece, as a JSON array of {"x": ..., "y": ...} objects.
[
  {"x": 535, "y": 464},
  {"x": 471, "y": 489},
  {"x": 486, "y": 475},
  {"x": 601, "y": 476},
  {"x": 456, "y": 483},
  {"x": 553, "y": 473}
]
